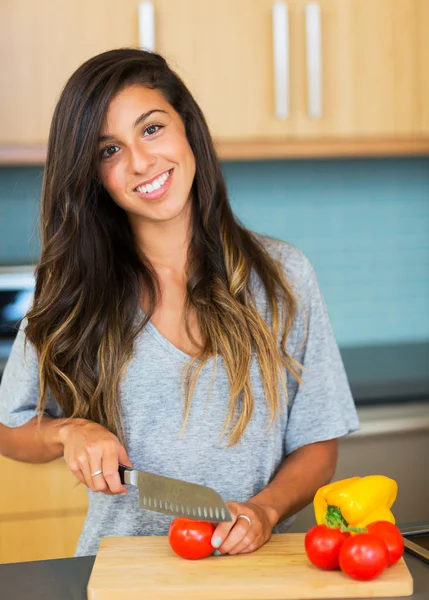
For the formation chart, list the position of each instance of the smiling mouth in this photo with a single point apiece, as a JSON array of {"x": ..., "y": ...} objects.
[{"x": 155, "y": 184}]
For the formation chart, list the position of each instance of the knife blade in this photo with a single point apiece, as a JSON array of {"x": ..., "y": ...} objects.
[{"x": 175, "y": 497}]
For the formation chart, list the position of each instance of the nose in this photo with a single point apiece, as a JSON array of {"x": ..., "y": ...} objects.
[{"x": 140, "y": 159}]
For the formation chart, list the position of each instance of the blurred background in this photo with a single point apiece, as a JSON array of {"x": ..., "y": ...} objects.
[{"x": 320, "y": 114}]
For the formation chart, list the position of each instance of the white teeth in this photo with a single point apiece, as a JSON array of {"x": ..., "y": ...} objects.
[{"x": 155, "y": 185}]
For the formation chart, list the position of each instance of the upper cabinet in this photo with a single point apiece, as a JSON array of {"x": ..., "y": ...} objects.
[
  {"x": 41, "y": 44},
  {"x": 274, "y": 78},
  {"x": 369, "y": 83},
  {"x": 327, "y": 69},
  {"x": 423, "y": 65}
]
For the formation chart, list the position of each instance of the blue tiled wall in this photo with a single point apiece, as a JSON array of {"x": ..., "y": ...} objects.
[
  {"x": 364, "y": 224},
  {"x": 19, "y": 206}
]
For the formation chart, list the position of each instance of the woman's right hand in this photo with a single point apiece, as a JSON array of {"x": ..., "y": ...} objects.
[{"x": 90, "y": 447}]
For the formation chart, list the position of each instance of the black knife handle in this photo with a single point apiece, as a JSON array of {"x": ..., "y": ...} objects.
[{"x": 121, "y": 470}]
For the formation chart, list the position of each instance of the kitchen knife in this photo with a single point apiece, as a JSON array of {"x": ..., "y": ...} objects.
[{"x": 175, "y": 497}]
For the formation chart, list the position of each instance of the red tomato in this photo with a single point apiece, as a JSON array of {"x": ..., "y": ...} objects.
[
  {"x": 190, "y": 538},
  {"x": 363, "y": 556},
  {"x": 322, "y": 545},
  {"x": 391, "y": 536}
]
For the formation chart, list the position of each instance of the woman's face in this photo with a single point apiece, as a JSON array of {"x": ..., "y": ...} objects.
[{"x": 145, "y": 161}]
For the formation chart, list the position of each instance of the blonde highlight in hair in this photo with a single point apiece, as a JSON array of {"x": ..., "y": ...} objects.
[
  {"x": 233, "y": 310},
  {"x": 91, "y": 276}
]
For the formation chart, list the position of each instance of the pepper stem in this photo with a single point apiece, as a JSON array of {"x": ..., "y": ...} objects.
[
  {"x": 354, "y": 529},
  {"x": 335, "y": 519}
]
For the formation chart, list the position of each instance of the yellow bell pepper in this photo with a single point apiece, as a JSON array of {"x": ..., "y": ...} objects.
[{"x": 355, "y": 502}]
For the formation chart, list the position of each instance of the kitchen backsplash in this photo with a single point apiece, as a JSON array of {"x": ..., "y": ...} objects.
[
  {"x": 363, "y": 223},
  {"x": 19, "y": 207}
]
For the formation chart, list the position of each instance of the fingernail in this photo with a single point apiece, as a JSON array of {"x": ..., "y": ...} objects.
[
  {"x": 217, "y": 542},
  {"x": 216, "y": 553}
]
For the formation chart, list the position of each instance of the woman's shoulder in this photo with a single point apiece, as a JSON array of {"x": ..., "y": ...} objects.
[{"x": 295, "y": 264}]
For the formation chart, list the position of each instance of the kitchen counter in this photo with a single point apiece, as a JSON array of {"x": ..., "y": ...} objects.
[{"x": 67, "y": 579}]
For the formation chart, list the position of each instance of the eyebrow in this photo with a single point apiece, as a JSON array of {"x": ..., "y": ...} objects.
[{"x": 140, "y": 119}]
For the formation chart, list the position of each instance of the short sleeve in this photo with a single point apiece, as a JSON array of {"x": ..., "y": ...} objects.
[
  {"x": 323, "y": 407},
  {"x": 19, "y": 387}
]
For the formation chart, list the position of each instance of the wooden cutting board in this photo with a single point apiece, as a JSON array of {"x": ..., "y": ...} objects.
[{"x": 145, "y": 568}]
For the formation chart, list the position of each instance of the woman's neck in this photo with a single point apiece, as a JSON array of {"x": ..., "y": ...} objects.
[{"x": 164, "y": 244}]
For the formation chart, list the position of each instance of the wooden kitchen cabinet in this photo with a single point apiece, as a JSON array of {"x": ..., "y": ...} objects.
[
  {"x": 423, "y": 65},
  {"x": 41, "y": 44},
  {"x": 374, "y": 80},
  {"x": 369, "y": 67},
  {"x": 370, "y": 77},
  {"x": 40, "y": 538},
  {"x": 42, "y": 511}
]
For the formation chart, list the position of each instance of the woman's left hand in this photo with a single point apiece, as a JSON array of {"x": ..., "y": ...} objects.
[{"x": 239, "y": 536}]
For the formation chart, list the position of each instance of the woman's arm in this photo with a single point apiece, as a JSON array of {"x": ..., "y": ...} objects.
[
  {"x": 91, "y": 451},
  {"x": 298, "y": 479},
  {"x": 293, "y": 487},
  {"x": 31, "y": 442}
]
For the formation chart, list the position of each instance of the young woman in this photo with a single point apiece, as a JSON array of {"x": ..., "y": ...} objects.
[{"x": 163, "y": 334}]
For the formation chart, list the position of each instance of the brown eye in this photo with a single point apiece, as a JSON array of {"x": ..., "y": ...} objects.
[
  {"x": 152, "y": 129},
  {"x": 108, "y": 151}
]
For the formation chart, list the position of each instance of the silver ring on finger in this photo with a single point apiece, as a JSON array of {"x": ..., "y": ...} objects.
[
  {"x": 96, "y": 473},
  {"x": 245, "y": 517}
]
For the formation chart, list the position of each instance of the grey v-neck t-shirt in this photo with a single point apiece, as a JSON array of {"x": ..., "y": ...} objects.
[{"x": 152, "y": 404}]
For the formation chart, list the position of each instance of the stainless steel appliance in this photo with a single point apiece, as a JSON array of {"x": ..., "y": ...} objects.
[
  {"x": 16, "y": 293},
  {"x": 416, "y": 539}
]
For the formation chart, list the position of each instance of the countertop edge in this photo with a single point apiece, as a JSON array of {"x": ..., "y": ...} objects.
[{"x": 392, "y": 418}]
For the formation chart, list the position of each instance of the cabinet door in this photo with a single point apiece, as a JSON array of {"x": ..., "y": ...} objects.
[
  {"x": 40, "y": 538},
  {"x": 423, "y": 64},
  {"x": 29, "y": 489},
  {"x": 42, "y": 511},
  {"x": 370, "y": 54},
  {"x": 223, "y": 51},
  {"x": 41, "y": 44}
]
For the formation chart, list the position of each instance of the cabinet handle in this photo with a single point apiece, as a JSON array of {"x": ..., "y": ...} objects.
[
  {"x": 281, "y": 59},
  {"x": 146, "y": 26},
  {"x": 313, "y": 30}
]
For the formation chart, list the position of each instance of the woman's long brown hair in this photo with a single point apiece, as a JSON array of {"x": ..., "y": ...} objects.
[{"x": 90, "y": 277}]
